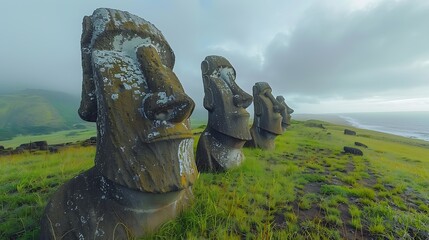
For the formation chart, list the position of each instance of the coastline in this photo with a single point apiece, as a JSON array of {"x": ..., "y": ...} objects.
[
  {"x": 328, "y": 117},
  {"x": 406, "y": 129}
]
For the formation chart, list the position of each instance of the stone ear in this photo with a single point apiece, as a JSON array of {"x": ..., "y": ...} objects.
[
  {"x": 256, "y": 102},
  {"x": 205, "y": 67},
  {"x": 88, "y": 105},
  {"x": 208, "y": 101}
]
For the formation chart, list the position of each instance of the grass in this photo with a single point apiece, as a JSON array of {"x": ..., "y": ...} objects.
[
  {"x": 305, "y": 189},
  {"x": 53, "y": 138}
]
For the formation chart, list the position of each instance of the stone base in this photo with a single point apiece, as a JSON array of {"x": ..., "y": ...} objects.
[{"x": 90, "y": 206}]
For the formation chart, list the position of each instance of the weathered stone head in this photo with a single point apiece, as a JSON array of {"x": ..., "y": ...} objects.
[
  {"x": 131, "y": 91},
  {"x": 225, "y": 101},
  {"x": 227, "y": 129},
  {"x": 144, "y": 164},
  {"x": 267, "y": 122},
  {"x": 286, "y": 113}
]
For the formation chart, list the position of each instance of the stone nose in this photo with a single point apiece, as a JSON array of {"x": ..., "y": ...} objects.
[
  {"x": 174, "y": 108},
  {"x": 240, "y": 97},
  {"x": 243, "y": 100},
  {"x": 166, "y": 100},
  {"x": 277, "y": 106}
]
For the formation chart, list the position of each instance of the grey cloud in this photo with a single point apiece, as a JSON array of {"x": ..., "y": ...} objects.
[
  {"x": 306, "y": 50},
  {"x": 352, "y": 54}
]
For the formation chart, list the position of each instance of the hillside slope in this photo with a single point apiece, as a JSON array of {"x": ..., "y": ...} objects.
[{"x": 36, "y": 112}]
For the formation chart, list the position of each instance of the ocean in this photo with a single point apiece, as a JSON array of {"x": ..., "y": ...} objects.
[{"x": 407, "y": 124}]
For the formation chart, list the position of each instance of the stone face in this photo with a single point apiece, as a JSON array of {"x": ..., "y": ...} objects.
[
  {"x": 219, "y": 147},
  {"x": 286, "y": 113},
  {"x": 353, "y": 151},
  {"x": 144, "y": 141},
  {"x": 267, "y": 121}
]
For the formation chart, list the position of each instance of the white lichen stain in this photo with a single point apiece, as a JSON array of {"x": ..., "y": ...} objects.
[
  {"x": 186, "y": 155},
  {"x": 99, "y": 232},
  {"x": 152, "y": 135},
  {"x": 130, "y": 76},
  {"x": 163, "y": 99},
  {"x": 226, "y": 156},
  {"x": 83, "y": 220},
  {"x": 81, "y": 237}
]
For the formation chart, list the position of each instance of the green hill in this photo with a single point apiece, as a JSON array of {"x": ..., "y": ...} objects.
[{"x": 36, "y": 112}]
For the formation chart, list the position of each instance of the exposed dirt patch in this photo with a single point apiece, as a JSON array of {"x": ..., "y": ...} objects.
[
  {"x": 313, "y": 187},
  {"x": 314, "y": 211},
  {"x": 345, "y": 216},
  {"x": 279, "y": 221},
  {"x": 371, "y": 180},
  {"x": 350, "y": 166},
  {"x": 309, "y": 214}
]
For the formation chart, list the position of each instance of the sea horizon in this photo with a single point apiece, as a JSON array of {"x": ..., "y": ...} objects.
[{"x": 414, "y": 125}]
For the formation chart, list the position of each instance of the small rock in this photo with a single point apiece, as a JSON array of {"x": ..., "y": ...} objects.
[
  {"x": 18, "y": 150},
  {"x": 53, "y": 149},
  {"x": 349, "y": 132},
  {"x": 361, "y": 144},
  {"x": 41, "y": 145},
  {"x": 353, "y": 151}
]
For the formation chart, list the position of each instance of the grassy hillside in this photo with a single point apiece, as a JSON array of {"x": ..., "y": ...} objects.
[
  {"x": 36, "y": 112},
  {"x": 64, "y": 136},
  {"x": 306, "y": 189}
]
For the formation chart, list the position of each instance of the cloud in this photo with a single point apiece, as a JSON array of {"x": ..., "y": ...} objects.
[
  {"x": 309, "y": 51},
  {"x": 352, "y": 54}
]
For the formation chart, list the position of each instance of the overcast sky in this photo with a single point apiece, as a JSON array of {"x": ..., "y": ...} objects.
[{"x": 322, "y": 56}]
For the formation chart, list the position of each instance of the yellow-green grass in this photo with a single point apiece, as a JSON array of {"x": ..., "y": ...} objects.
[
  {"x": 52, "y": 138},
  {"x": 305, "y": 189}
]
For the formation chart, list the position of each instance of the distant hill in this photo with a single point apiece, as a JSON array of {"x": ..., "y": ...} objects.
[{"x": 37, "y": 112}]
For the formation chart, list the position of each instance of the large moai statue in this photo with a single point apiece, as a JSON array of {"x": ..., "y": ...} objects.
[
  {"x": 220, "y": 145},
  {"x": 144, "y": 162},
  {"x": 267, "y": 121},
  {"x": 286, "y": 113}
]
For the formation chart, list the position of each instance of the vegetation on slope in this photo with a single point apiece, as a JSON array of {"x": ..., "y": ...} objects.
[
  {"x": 36, "y": 112},
  {"x": 306, "y": 189}
]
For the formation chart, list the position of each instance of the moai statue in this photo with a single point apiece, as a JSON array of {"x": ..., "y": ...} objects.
[
  {"x": 267, "y": 121},
  {"x": 144, "y": 162},
  {"x": 220, "y": 145},
  {"x": 286, "y": 113}
]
